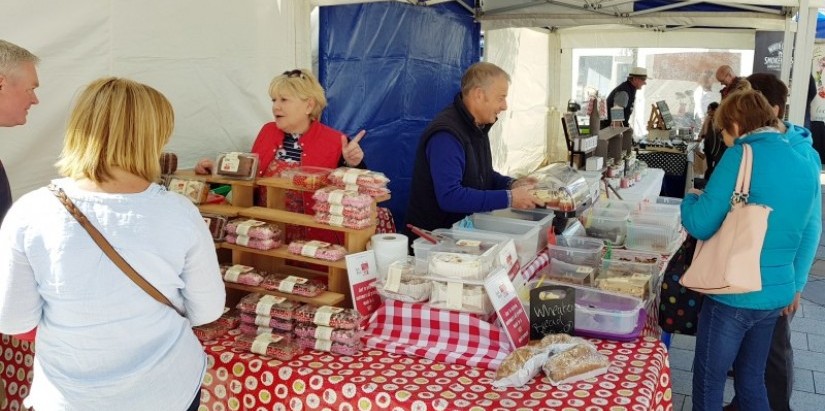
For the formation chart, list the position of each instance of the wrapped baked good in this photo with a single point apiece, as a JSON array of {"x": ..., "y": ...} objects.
[
  {"x": 267, "y": 345},
  {"x": 267, "y": 321},
  {"x": 255, "y": 330},
  {"x": 519, "y": 367},
  {"x": 268, "y": 305},
  {"x": 334, "y": 317},
  {"x": 237, "y": 165},
  {"x": 196, "y": 191},
  {"x": 329, "y": 346},
  {"x": 241, "y": 274},
  {"x": 255, "y": 243},
  {"x": 346, "y": 176},
  {"x": 338, "y": 196},
  {"x": 217, "y": 328},
  {"x": 580, "y": 362},
  {"x": 355, "y": 213},
  {"x": 307, "y": 177},
  {"x": 292, "y": 284},
  {"x": 460, "y": 297},
  {"x": 320, "y": 332},
  {"x": 253, "y": 229},
  {"x": 409, "y": 289},
  {"x": 457, "y": 266},
  {"x": 317, "y": 249},
  {"x": 340, "y": 221},
  {"x": 216, "y": 224}
]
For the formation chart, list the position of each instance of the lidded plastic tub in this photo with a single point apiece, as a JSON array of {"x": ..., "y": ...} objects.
[
  {"x": 541, "y": 217},
  {"x": 609, "y": 225},
  {"x": 525, "y": 234},
  {"x": 577, "y": 250},
  {"x": 449, "y": 238},
  {"x": 648, "y": 237}
]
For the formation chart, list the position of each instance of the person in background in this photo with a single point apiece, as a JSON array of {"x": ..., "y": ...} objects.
[
  {"x": 712, "y": 143},
  {"x": 779, "y": 367},
  {"x": 103, "y": 343},
  {"x": 624, "y": 95},
  {"x": 18, "y": 81},
  {"x": 453, "y": 174},
  {"x": 735, "y": 329},
  {"x": 297, "y": 138},
  {"x": 724, "y": 75}
]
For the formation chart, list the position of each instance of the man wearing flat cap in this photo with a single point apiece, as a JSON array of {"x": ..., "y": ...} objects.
[{"x": 624, "y": 95}]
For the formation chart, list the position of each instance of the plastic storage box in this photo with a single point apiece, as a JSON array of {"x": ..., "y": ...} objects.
[
  {"x": 236, "y": 165},
  {"x": 609, "y": 225},
  {"x": 577, "y": 250},
  {"x": 627, "y": 277},
  {"x": 525, "y": 234},
  {"x": 422, "y": 247},
  {"x": 307, "y": 177},
  {"x": 542, "y": 217},
  {"x": 653, "y": 238}
]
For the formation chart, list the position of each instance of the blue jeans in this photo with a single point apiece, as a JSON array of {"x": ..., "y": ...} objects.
[{"x": 732, "y": 336}]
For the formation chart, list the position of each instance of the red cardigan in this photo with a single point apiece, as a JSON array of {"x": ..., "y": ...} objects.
[{"x": 321, "y": 146}]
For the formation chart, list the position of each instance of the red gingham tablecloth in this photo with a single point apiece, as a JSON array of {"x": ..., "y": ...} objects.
[{"x": 638, "y": 380}]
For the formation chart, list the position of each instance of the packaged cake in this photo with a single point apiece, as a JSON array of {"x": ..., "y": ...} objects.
[
  {"x": 255, "y": 330},
  {"x": 307, "y": 177},
  {"x": 255, "y": 243},
  {"x": 206, "y": 332},
  {"x": 356, "y": 213},
  {"x": 196, "y": 191},
  {"x": 253, "y": 229},
  {"x": 334, "y": 317},
  {"x": 269, "y": 305},
  {"x": 339, "y": 196},
  {"x": 241, "y": 274},
  {"x": 267, "y": 321},
  {"x": 571, "y": 273},
  {"x": 320, "y": 332},
  {"x": 342, "y": 221},
  {"x": 456, "y": 266},
  {"x": 409, "y": 289},
  {"x": 237, "y": 165},
  {"x": 317, "y": 249},
  {"x": 329, "y": 346},
  {"x": 292, "y": 284},
  {"x": 460, "y": 297},
  {"x": 216, "y": 224},
  {"x": 267, "y": 345},
  {"x": 346, "y": 176}
]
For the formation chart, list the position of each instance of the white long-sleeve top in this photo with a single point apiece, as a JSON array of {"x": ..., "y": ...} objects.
[{"x": 102, "y": 342}]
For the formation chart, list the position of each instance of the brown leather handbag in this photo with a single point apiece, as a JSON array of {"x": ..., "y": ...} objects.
[
  {"x": 728, "y": 263},
  {"x": 109, "y": 250}
]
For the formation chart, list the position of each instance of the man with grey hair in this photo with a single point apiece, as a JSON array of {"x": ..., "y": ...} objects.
[
  {"x": 18, "y": 80},
  {"x": 453, "y": 173}
]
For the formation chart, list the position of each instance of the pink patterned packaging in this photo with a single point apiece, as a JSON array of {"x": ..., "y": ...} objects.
[
  {"x": 254, "y": 229},
  {"x": 268, "y": 346},
  {"x": 335, "y": 195},
  {"x": 329, "y": 346},
  {"x": 356, "y": 213},
  {"x": 269, "y": 305},
  {"x": 241, "y": 274},
  {"x": 317, "y": 249},
  {"x": 292, "y": 284},
  {"x": 267, "y": 321},
  {"x": 320, "y": 332},
  {"x": 325, "y": 315},
  {"x": 339, "y": 221}
]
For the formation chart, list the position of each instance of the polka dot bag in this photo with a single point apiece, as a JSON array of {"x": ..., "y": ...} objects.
[{"x": 679, "y": 306}]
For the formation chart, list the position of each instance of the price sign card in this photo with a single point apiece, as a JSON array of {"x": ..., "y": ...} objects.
[
  {"x": 552, "y": 310},
  {"x": 511, "y": 313},
  {"x": 362, "y": 271}
]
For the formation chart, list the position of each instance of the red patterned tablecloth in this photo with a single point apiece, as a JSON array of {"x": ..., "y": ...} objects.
[
  {"x": 16, "y": 360},
  {"x": 638, "y": 380}
]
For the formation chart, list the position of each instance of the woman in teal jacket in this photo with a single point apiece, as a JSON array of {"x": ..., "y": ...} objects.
[{"x": 735, "y": 329}]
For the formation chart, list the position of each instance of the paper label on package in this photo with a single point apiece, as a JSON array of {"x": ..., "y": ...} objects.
[
  {"x": 233, "y": 273},
  {"x": 336, "y": 220},
  {"x": 336, "y": 197},
  {"x": 261, "y": 342},
  {"x": 323, "y": 315},
  {"x": 351, "y": 178},
  {"x": 231, "y": 162},
  {"x": 323, "y": 333},
  {"x": 265, "y": 303},
  {"x": 244, "y": 227},
  {"x": 309, "y": 250},
  {"x": 242, "y": 240},
  {"x": 263, "y": 320},
  {"x": 263, "y": 330},
  {"x": 286, "y": 285},
  {"x": 455, "y": 294},
  {"x": 336, "y": 209},
  {"x": 393, "y": 282},
  {"x": 584, "y": 269},
  {"x": 323, "y": 345},
  {"x": 468, "y": 243},
  {"x": 177, "y": 185},
  {"x": 194, "y": 191},
  {"x": 351, "y": 187},
  {"x": 295, "y": 279}
]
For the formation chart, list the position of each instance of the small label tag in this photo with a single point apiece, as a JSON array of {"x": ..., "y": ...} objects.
[
  {"x": 244, "y": 226},
  {"x": 263, "y": 320},
  {"x": 455, "y": 295},
  {"x": 263, "y": 330},
  {"x": 393, "y": 282},
  {"x": 309, "y": 250},
  {"x": 323, "y": 333},
  {"x": 336, "y": 197},
  {"x": 265, "y": 303},
  {"x": 231, "y": 162},
  {"x": 233, "y": 273},
  {"x": 287, "y": 285},
  {"x": 323, "y": 345},
  {"x": 297, "y": 280},
  {"x": 336, "y": 209},
  {"x": 336, "y": 220},
  {"x": 242, "y": 240},
  {"x": 351, "y": 187},
  {"x": 323, "y": 315},
  {"x": 350, "y": 178}
]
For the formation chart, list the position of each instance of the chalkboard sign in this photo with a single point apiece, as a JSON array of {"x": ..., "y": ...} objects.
[
  {"x": 666, "y": 116},
  {"x": 571, "y": 127},
  {"x": 552, "y": 310}
]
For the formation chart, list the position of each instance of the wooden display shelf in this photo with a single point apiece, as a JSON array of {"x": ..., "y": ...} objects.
[
  {"x": 289, "y": 217},
  {"x": 209, "y": 178},
  {"x": 281, "y": 252},
  {"x": 286, "y": 184},
  {"x": 220, "y": 209},
  {"x": 325, "y": 298}
]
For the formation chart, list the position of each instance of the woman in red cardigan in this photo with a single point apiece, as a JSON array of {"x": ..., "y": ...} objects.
[{"x": 297, "y": 138}]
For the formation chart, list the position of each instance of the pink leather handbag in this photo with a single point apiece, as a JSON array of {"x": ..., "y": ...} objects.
[{"x": 728, "y": 263}]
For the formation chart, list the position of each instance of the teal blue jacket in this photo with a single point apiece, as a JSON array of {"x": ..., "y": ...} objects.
[{"x": 784, "y": 179}]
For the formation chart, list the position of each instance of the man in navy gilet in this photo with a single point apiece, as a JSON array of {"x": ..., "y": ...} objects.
[{"x": 453, "y": 174}]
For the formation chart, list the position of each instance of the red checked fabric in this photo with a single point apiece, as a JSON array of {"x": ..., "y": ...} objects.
[
  {"x": 638, "y": 380},
  {"x": 440, "y": 335},
  {"x": 16, "y": 361}
]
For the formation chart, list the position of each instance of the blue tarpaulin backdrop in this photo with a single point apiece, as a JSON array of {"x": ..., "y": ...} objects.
[{"x": 389, "y": 68}]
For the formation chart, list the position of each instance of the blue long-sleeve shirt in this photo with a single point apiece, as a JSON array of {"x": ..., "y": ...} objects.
[{"x": 447, "y": 159}]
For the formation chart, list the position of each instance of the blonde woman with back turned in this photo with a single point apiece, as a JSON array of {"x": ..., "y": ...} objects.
[{"x": 103, "y": 343}]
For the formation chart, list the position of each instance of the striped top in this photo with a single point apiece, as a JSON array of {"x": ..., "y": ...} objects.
[{"x": 290, "y": 151}]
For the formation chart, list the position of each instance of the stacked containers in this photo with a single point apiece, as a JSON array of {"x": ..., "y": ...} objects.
[
  {"x": 422, "y": 247},
  {"x": 631, "y": 278},
  {"x": 266, "y": 326},
  {"x": 574, "y": 259},
  {"x": 253, "y": 233},
  {"x": 606, "y": 223},
  {"x": 541, "y": 216},
  {"x": 525, "y": 234},
  {"x": 653, "y": 228},
  {"x": 458, "y": 272},
  {"x": 342, "y": 208},
  {"x": 402, "y": 283},
  {"x": 371, "y": 183},
  {"x": 330, "y": 329}
]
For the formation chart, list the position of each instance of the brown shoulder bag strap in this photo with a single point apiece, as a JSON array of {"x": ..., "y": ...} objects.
[{"x": 109, "y": 250}]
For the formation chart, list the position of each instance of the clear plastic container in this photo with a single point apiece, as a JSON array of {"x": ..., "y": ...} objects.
[
  {"x": 571, "y": 273},
  {"x": 653, "y": 238},
  {"x": 237, "y": 165},
  {"x": 542, "y": 217},
  {"x": 669, "y": 201},
  {"x": 307, "y": 177},
  {"x": 453, "y": 266},
  {"x": 627, "y": 277},
  {"x": 460, "y": 297},
  {"x": 602, "y": 312},
  {"x": 609, "y": 225},
  {"x": 669, "y": 221},
  {"x": 525, "y": 234},
  {"x": 570, "y": 187},
  {"x": 448, "y": 236},
  {"x": 577, "y": 250},
  {"x": 616, "y": 204}
]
